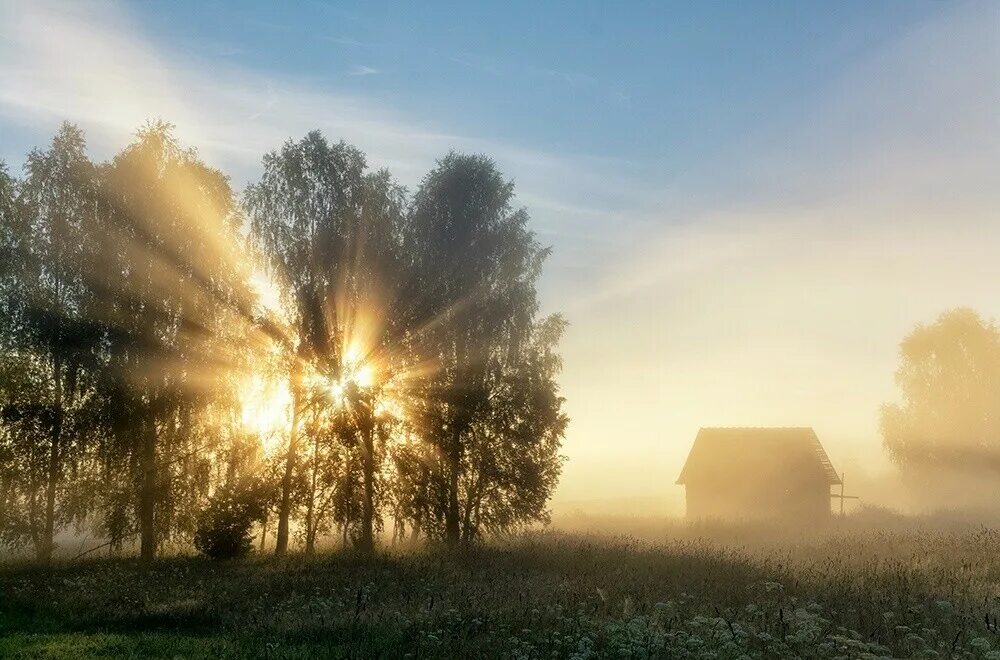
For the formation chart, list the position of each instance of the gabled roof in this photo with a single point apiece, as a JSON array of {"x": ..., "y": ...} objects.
[{"x": 757, "y": 452}]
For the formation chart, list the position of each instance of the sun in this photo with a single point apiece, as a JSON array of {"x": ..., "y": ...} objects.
[
  {"x": 364, "y": 376},
  {"x": 337, "y": 392}
]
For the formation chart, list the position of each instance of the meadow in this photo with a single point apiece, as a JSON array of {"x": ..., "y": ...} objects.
[{"x": 845, "y": 593}]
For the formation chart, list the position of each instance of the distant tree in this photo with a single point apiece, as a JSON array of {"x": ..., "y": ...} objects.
[
  {"x": 949, "y": 375},
  {"x": 473, "y": 273}
]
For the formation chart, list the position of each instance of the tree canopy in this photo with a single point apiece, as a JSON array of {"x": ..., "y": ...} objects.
[
  {"x": 182, "y": 363},
  {"x": 949, "y": 416}
]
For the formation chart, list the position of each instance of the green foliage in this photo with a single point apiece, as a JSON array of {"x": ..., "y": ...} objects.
[
  {"x": 174, "y": 322},
  {"x": 490, "y": 415},
  {"x": 914, "y": 593},
  {"x": 129, "y": 326},
  {"x": 223, "y": 530},
  {"x": 51, "y": 343}
]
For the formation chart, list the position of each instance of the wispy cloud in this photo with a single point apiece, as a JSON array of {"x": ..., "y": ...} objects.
[
  {"x": 480, "y": 63},
  {"x": 348, "y": 41},
  {"x": 116, "y": 80},
  {"x": 779, "y": 294},
  {"x": 361, "y": 70},
  {"x": 569, "y": 78}
]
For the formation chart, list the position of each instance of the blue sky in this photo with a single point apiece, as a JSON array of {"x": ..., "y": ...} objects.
[
  {"x": 657, "y": 86},
  {"x": 654, "y": 83},
  {"x": 750, "y": 203}
]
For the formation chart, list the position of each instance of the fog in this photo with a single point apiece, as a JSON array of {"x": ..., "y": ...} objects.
[
  {"x": 768, "y": 283},
  {"x": 779, "y": 293}
]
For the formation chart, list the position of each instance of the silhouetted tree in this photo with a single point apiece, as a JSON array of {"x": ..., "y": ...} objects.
[
  {"x": 174, "y": 293},
  {"x": 55, "y": 250},
  {"x": 12, "y": 501},
  {"x": 513, "y": 448},
  {"x": 371, "y": 289},
  {"x": 423, "y": 382},
  {"x": 302, "y": 212},
  {"x": 475, "y": 264}
]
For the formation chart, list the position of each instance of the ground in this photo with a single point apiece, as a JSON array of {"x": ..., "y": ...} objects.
[{"x": 846, "y": 594}]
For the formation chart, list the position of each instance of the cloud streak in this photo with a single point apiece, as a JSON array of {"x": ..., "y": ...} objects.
[
  {"x": 780, "y": 295},
  {"x": 361, "y": 70},
  {"x": 95, "y": 67},
  {"x": 767, "y": 284}
]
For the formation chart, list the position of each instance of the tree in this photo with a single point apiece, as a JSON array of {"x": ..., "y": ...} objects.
[
  {"x": 374, "y": 329},
  {"x": 331, "y": 231},
  {"x": 55, "y": 251},
  {"x": 474, "y": 268},
  {"x": 949, "y": 418},
  {"x": 12, "y": 232},
  {"x": 513, "y": 449},
  {"x": 423, "y": 383},
  {"x": 302, "y": 213},
  {"x": 174, "y": 296}
]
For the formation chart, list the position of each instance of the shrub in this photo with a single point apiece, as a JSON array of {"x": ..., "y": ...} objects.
[{"x": 223, "y": 530}]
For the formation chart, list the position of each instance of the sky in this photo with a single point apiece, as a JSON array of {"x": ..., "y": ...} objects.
[{"x": 749, "y": 204}]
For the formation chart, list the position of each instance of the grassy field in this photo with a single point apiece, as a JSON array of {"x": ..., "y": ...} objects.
[{"x": 546, "y": 595}]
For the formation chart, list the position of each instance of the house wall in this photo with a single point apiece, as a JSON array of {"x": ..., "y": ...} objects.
[{"x": 753, "y": 501}]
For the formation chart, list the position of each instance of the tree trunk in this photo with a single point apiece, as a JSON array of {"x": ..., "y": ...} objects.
[
  {"x": 312, "y": 524},
  {"x": 452, "y": 518},
  {"x": 263, "y": 533},
  {"x": 48, "y": 541},
  {"x": 367, "y": 540},
  {"x": 147, "y": 492},
  {"x": 471, "y": 507},
  {"x": 34, "y": 515},
  {"x": 285, "y": 507}
]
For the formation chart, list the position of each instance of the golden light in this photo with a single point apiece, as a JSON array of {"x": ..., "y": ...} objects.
[
  {"x": 266, "y": 410},
  {"x": 352, "y": 354},
  {"x": 364, "y": 376},
  {"x": 389, "y": 408},
  {"x": 336, "y": 391},
  {"x": 268, "y": 293}
]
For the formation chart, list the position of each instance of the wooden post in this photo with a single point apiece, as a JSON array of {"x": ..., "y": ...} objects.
[
  {"x": 842, "y": 496},
  {"x": 842, "y": 477}
]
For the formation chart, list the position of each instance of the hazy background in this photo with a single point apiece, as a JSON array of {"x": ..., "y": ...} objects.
[{"x": 750, "y": 206}]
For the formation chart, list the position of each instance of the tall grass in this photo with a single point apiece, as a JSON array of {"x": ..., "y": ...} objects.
[{"x": 909, "y": 593}]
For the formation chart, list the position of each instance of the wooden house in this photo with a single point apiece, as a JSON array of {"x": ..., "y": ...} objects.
[{"x": 757, "y": 473}]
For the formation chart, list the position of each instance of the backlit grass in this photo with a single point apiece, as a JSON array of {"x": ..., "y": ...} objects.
[{"x": 900, "y": 594}]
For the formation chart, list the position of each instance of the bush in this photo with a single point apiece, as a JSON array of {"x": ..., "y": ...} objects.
[{"x": 224, "y": 527}]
